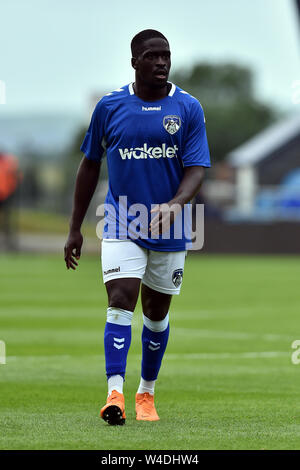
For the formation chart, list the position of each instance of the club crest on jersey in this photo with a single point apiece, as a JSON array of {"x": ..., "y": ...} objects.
[
  {"x": 172, "y": 124},
  {"x": 177, "y": 277}
]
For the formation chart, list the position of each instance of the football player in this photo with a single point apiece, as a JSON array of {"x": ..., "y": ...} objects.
[{"x": 153, "y": 135}]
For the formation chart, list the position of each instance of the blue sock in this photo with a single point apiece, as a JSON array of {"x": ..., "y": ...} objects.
[
  {"x": 117, "y": 339},
  {"x": 154, "y": 345}
]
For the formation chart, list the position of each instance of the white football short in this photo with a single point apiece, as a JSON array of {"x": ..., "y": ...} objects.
[{"x": 159, "y": 270}]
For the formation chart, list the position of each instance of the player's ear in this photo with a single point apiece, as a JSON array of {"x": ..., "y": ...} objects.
[{"x": 133, "y": 62}]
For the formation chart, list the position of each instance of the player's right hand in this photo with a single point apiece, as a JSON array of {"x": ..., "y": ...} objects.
[{"x": 73, "y": 249}]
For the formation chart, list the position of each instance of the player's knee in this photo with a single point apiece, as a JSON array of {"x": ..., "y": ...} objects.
[
  {"x": 156, "y": 325},
  {"x": 121, "y": 298},
  {"x": 156, "y": 314},
  {"x": 156, "y": 305}
]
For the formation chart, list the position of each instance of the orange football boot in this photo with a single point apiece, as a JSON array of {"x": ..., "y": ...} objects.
[
  {"x": 144, "y": 407},
  {"x": 114, "y": 410}
]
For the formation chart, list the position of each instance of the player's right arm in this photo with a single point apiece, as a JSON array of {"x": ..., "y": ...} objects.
[{"x": 86, "y": 182}]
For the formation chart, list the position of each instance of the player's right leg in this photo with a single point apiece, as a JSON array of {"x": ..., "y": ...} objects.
[{"x": 123, "y": 265}]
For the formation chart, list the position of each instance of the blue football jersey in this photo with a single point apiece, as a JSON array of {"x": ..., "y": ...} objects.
[{"x": 147, "y": 145}]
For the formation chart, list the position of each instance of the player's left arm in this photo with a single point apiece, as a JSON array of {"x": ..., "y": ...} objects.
[
  {"x": 195, "y": 159},
  {"x": 191, "y": 182},
  {"x": 166, "y": 213}
]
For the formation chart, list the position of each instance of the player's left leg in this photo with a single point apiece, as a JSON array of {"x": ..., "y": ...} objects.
[
  {"x": 154, "y": 342},
  {"x": 162, "y": 279}
]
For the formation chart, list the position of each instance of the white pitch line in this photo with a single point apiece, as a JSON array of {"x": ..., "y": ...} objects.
[
  {"x": 237, "y": 335},
  {"x": 171, "y": 356},
  {"x": 37, "y": 357},
  {"x": 246, "y": 355}
]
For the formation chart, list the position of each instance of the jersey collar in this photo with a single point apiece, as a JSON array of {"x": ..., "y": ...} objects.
[{"x": 171, "y": 92}]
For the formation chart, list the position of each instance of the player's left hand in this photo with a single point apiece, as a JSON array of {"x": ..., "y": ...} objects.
[
  {"x": 164, "y": 217},
  {"x": 72, "y": 248}
]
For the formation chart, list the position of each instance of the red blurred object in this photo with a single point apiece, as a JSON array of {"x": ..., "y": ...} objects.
[{"x": 9, "y": 175}]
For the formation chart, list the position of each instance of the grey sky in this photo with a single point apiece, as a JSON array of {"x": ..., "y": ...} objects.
[{"x": 55, "y": 54}]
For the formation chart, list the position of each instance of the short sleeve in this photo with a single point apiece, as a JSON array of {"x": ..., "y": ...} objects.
[
  {"x": 196, "y": 151},
  {"x": 93, "y": 144}
]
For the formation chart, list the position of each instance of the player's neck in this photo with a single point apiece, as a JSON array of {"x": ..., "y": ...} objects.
[{"x": 147, "y": 93}]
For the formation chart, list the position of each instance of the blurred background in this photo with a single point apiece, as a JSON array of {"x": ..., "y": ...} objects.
[
  {"x": 234, "y": 327},
  {"x": 240, "y": 59}
]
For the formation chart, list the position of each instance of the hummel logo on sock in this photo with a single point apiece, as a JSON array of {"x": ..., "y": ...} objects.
[
  {"x": 154, "y": 346},
  {"x": 119, "y": 340}
]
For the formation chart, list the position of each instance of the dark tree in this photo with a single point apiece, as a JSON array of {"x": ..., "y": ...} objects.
[{"x": 232, "y": 112}]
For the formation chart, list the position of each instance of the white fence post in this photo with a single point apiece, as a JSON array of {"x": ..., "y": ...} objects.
[{"x": 245, "y": 189}]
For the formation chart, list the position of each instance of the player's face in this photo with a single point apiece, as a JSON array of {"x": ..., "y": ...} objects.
[{"x": 154, "y": 63}]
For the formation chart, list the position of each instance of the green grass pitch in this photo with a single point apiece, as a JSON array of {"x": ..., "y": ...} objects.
[{"x": 227, "y": 379}]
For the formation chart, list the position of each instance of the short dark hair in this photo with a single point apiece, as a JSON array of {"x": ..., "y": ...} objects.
[{"x": 140, "y": 38}]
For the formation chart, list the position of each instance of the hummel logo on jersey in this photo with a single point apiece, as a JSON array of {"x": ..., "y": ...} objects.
[
  {"x": 154, "y": 346},
  {"x": 119, "y": 340},
  {"x": 151, "y": 108},
  {"x": 149, "y": 152}
]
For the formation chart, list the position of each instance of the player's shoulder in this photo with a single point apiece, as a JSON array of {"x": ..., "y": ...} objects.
[
  {"x": 186, "y": 98},
  {"x": 116, "y": 95},
  {"x": 112, "y": 98}
]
